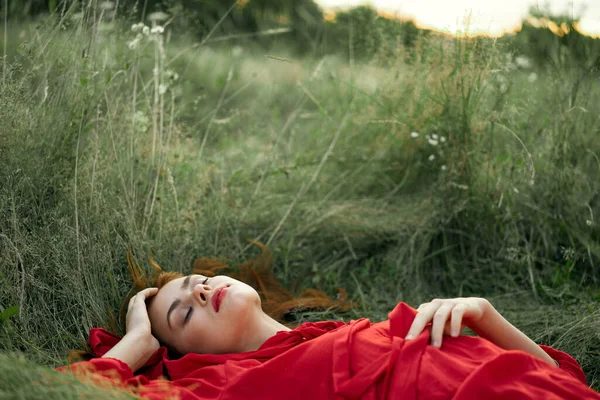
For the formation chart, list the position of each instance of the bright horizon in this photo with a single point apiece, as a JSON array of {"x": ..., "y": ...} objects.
[{"x": 487, "y": 17}]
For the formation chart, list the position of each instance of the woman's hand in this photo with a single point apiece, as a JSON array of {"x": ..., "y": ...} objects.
[
  {"x": 448, "y": 316},
  {"x": 137, "y": 321},
  {"x": 138, "y": 344}
]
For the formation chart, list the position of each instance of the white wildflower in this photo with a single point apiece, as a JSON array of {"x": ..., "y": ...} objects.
[
  {"x": 172, "y": 75},
  {"x": 141, "y": 121},
  {"x": 237, "y": 51},
  {"x": 431, "y": 157},
  {"x": 459, "y": 186},
  {"x": 589, "y": 222},
  {"x": 434, "y": 136},
  {"x": 516, "y": 190},
  {"x": 106, "y": 5},
  {"x": 157, "y": 30},
  {"x": 503, "y": 87},
  {"x": 133, "y": 44},
  {"x": 162, "y": 88},
  {"x": 414, "y": 135},
  {"x": 137, "y": 27},
  {"x": 444, "y": 168},
  {"x": 432, "y": 141},
  {"x": 146, "y": 30},
  {"x": 532, "y": 77},
  {"x": 170, "y": 177},
  {"x": 443, "y": 139},
  {"x": 523, "y": 62}
]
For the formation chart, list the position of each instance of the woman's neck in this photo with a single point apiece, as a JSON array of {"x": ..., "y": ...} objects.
[{"x": 266, "y": 328}]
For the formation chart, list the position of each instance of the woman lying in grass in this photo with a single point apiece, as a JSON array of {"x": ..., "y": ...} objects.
[{"x": 225, "y": 342}]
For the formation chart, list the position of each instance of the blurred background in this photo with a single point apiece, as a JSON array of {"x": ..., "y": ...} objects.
[{"x": 399, "y": 150}]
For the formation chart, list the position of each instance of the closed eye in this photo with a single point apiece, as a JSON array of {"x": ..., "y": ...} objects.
[{"x": 187, "y": 316}]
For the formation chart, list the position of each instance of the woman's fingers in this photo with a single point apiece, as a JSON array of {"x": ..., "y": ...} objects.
[
  {"x": 439, "y": 322},
  {"x": 442, "y": 314},
  {"x": 425, "y": 313},
  {"x": 144, "y": 294},
  {"x": 456, "y": 323}
]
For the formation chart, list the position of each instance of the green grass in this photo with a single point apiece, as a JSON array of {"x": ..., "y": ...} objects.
[{"x": 313, "y": 157}]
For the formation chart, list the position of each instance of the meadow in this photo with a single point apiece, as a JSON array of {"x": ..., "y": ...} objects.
[{"x": 439, "y": 171}]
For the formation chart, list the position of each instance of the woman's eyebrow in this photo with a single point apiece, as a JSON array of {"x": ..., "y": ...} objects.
[
  {"x": 184, "y": 285},
  {"x": 186, "y": 282}
]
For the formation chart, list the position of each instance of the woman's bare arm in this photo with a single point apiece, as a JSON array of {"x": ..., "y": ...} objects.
[
  {"x": 134, "y": 350},
  {"x": 138, "y": 344},
  {"x": 498, "y": 330},
  {"x": 449, "y": 316}
]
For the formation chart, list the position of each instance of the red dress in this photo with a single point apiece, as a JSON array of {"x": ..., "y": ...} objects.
[{"x": 355, "y": 360}]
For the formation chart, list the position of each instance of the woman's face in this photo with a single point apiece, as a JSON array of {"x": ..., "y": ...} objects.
[{"x": 196, "y": 314}]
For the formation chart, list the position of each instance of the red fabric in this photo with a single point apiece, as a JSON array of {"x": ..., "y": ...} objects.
[{"x": 355, "y": 360}]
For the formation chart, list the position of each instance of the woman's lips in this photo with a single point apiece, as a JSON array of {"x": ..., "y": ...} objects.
[{"x": 217, "y": 298}]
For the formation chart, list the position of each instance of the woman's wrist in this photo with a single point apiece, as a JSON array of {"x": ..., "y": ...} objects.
[{"x": 134, "y": 349}]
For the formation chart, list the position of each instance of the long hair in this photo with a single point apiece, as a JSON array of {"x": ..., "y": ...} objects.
[{"x": 275, "y": 299}]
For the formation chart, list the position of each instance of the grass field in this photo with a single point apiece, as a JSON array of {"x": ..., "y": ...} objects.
[{"x": 453, "y": 174}]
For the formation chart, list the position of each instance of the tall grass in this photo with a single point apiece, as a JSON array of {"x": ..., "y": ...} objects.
[{"x": 450, "y": 174}]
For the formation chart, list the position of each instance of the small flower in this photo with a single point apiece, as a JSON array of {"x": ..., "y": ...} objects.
[
  {"x": 589, "y": 222},
  {"x": 172, "y": 75},
  {"x": 170, "y": 177},
  {"x": 133, "y": 44},
  {"x": 141, "y": 121},
  {"x": 443, "y": 139},
  {"x": 137, "y": 27},
  {"x": 157, "y": 30},
  {"x": 431, "y": 157},
  {"x": 106, "y": 5},
  {"x": 146, "y": 30},
  {"x": 162, "y": 88},
  {"x": 532, "y": 77},
  {"x": 434, "y": 136},
  {"x": 432, "y": 141},
  {"x": 516, "y": 190},
  {"x": 414, "y": 135},
  {"x": 523, "y": 62},
  {"x": 237, "y": 51},
  {"x": 444, "y": 168},
  {"x": 568, "y": 253}
]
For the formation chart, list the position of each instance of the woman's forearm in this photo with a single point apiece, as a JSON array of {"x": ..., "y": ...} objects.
[
  {"x": 495, "y": 328},
  {"x": 133, "y": 351}
]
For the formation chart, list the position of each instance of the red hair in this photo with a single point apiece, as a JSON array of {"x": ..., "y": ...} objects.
[
  {"x": 256, "y": 272},
  {"x": 275, "y": 299}
]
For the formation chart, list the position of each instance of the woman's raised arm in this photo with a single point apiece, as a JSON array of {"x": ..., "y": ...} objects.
[
  {"x": 449, "y": 316},
  {"x": 138, "y": 344}
]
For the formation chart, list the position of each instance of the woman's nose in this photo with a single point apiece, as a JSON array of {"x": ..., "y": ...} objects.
[{"x": 201, "y": 293}]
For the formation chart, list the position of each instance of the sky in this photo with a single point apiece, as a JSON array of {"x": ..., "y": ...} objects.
[{"x": 487, "y": 16}]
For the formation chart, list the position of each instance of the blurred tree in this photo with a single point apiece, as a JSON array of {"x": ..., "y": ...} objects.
[
  {"x": 555, "y": 42},
  {"x": 363, "y": 33}
]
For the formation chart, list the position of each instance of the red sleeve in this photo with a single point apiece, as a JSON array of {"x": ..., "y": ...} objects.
[
  {"x": 110, "y": 373},
  {"x": 566, "y": 363},
  {"x": 100, "y": 372}
]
